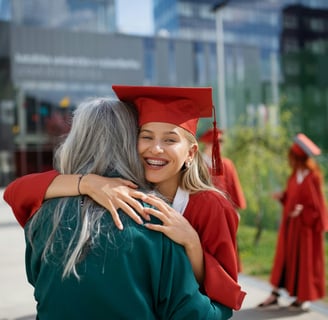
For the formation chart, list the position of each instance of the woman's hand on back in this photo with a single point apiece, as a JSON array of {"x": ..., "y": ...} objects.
[
  {"x": 114, "y": 194},
  {"x": 177, "y": 228},
  {"x": 175, "y": 225}
]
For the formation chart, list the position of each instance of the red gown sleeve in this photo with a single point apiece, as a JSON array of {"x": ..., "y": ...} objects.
[
  {"x": 233, "y": 186},
  {"x": 216, "y": 222},
  {"x": 26, "y": 194},
  {"x": 229, "y": 182}
]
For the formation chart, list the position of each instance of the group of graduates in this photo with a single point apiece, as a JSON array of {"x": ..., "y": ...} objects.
[{"x": 136, "y": 221}]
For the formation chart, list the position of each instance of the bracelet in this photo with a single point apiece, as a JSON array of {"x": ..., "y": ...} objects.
[{"x": 79, "y": 182}]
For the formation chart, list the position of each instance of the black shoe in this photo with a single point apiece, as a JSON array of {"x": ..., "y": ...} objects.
[
  {"x": 299, "y": 306},
  {"x": 274, "y": 302}
]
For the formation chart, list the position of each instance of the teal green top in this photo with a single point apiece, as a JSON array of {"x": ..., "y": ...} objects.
[{"x": 131, "y": 274}]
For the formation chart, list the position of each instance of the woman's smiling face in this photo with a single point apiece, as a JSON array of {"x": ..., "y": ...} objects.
[{"x": 163, "y": 149}]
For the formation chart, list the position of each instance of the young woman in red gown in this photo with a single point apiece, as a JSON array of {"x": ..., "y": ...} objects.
[{"x": 299, "y": 265}]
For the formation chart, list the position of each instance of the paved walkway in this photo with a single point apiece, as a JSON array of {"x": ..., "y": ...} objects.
[
  {"x": 16, "y": 295},
  {"x": 258, "y": 290}
]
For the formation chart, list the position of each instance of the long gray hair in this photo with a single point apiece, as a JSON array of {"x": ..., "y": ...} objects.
[{"x": 102, "y": 140}]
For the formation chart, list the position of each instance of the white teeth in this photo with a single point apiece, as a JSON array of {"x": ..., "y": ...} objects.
[{"x": 156, "y": 162}]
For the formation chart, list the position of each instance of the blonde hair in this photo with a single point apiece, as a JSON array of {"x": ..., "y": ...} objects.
[
  {"x": 196, "y": 177},
  {"x": 305, "y": 162}
]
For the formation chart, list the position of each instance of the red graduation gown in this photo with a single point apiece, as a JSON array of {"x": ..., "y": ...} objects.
[
  {"x": 26, "y": 194},
  {"x": 216, "y": 223},
  {"x": 299, "y": 265},
  {"x": 229, "y": 182}
]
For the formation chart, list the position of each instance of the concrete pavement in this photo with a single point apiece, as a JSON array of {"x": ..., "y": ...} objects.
[
  {"x": 16, "y": 295},
  {"x": 258, "y": 290}
]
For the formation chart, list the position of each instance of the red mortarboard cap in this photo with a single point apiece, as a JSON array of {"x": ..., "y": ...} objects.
[
  {"x": 303, "y": 146},
  {"x": 182, "y": 106},
  {"x": 207, "y": 136}
]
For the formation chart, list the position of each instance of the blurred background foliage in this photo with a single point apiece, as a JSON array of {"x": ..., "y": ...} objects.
[{"x": 260, "y": 155}]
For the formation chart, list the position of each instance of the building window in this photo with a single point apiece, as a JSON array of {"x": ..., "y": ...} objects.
[
  {"x": 317, "y": 47},
  {"x": 240, "y": 66},
  {"x": 185, "y": 9},
  {"x": 213, "y": 63},
  {"x": 314, "y": 96},
  {"x": 317, "y": 25},
  {"x": 149, "y": 61},
  {"x": 291, "y": 45},
  {"x": 294, "y": 95},
  {"x": 84, "y": 15},
  {"x": 206, "y": 13},
  {"x": 290, "y": 22},
  {"x": 172, "y": 64},
  {"x": 5, "y": 10},
  {"x": 292, "y": 68},
  {"x": 200, "y": 69}
]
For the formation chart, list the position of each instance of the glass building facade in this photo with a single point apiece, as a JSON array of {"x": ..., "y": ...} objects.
[
  {"x": 80, "y": 15},
  {"x": 279, "y": 44},
  {"x": 186, "y": 19},
  {"x": 5, "y": 10},
  {"x": 45, "y": 72},
  {"x": 51, "y": 59}
]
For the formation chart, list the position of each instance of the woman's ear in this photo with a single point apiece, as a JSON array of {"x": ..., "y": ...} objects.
[{"x": 192, "y": 151}]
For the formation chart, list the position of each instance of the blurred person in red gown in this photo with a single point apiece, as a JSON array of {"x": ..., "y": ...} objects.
[
  {"x": 299, "y": 265},
  {"x": 229, "y": 181}
]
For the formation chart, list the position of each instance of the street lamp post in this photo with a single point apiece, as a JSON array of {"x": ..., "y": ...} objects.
[{"x": 220, "y": 62}]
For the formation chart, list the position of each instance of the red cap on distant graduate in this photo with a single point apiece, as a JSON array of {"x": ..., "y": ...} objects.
[
  {"x": 181, "y": 106},
  {"x": 207, "y": 136},
  {"x": 304, "y": 147}
]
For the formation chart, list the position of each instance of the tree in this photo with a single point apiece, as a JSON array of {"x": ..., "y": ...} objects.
[{"x": 260, "y": 155}]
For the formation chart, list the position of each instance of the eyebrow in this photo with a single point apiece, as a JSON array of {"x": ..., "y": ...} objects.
[{"x": 166, "y": 132}]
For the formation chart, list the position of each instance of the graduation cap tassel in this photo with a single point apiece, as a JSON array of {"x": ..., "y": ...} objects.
[{"x": 217, "y": 165}]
